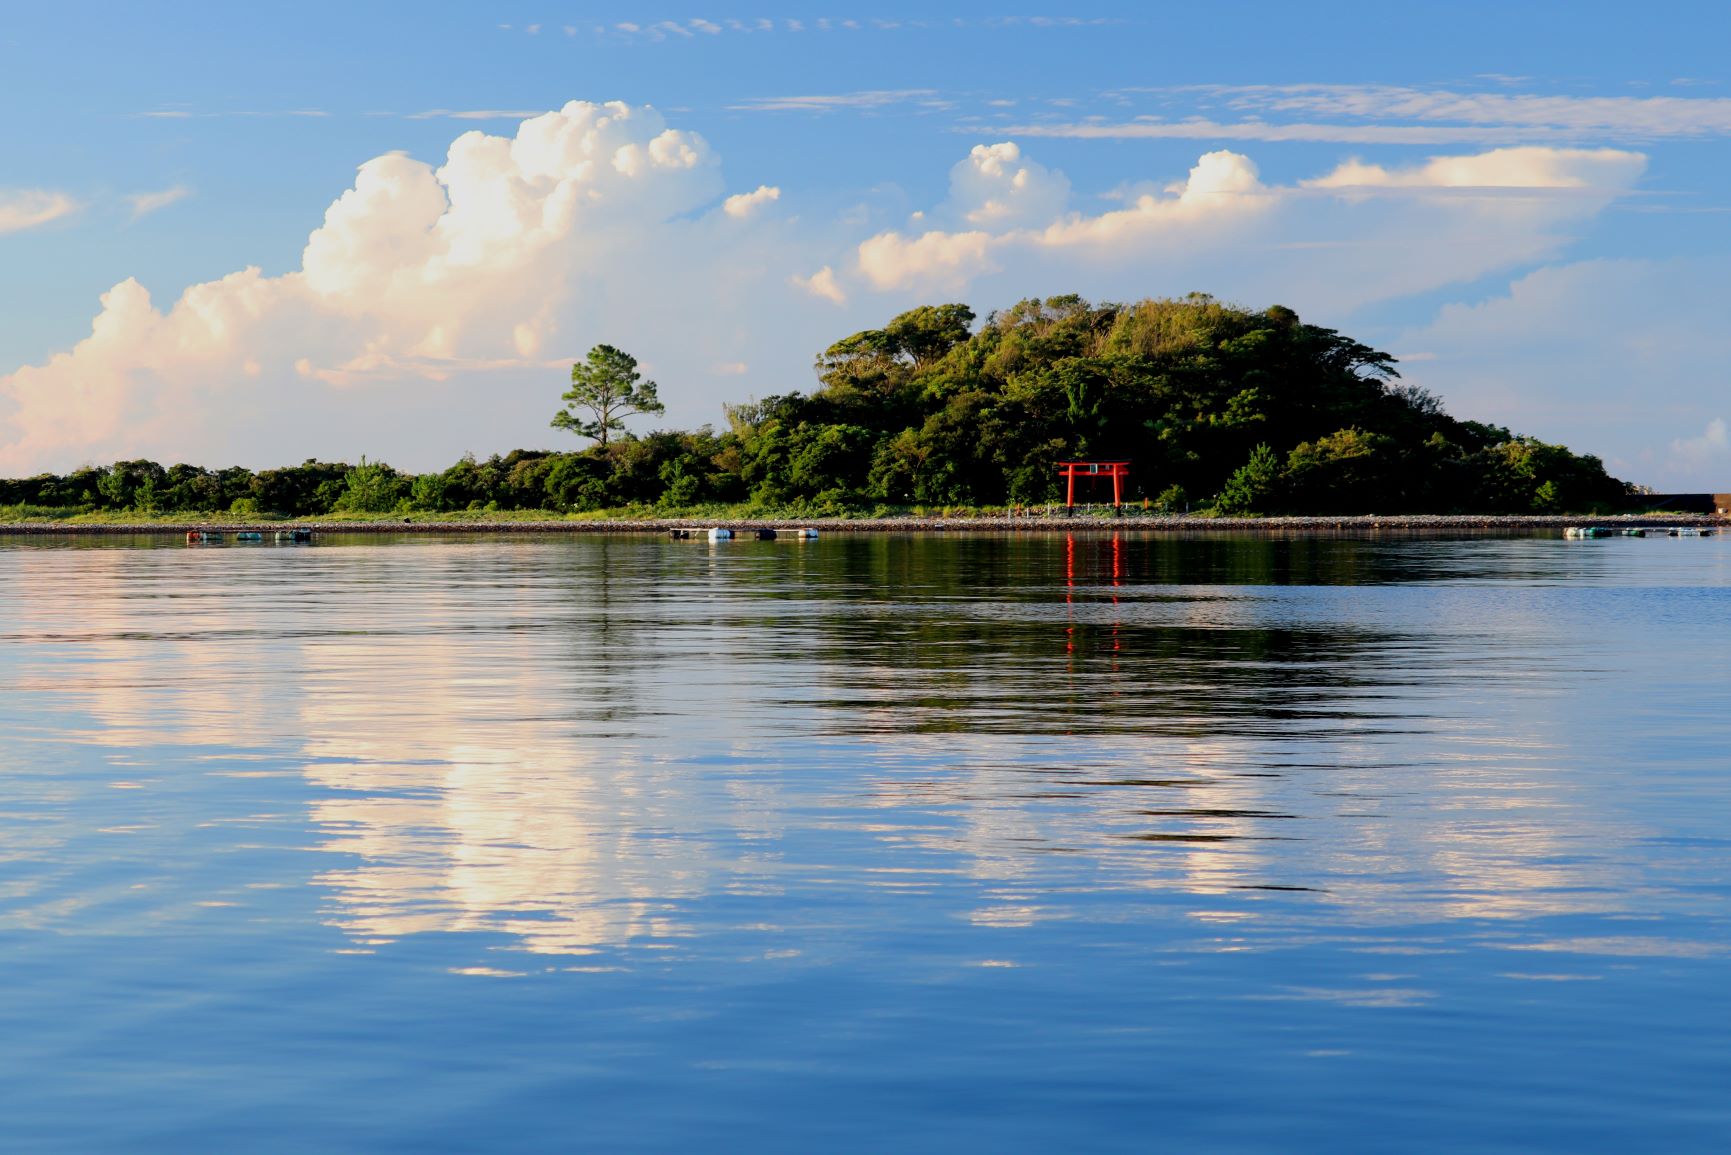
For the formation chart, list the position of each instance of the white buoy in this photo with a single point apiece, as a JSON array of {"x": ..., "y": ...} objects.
[
  {"x": 719, "y": 534},
  {"x": 805, "y": 534}
]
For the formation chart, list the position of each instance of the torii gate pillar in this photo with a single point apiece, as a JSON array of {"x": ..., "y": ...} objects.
[{"x": 1118, "y": 471}]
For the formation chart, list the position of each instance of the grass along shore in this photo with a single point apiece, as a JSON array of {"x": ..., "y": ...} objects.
[{"x": 879, "y": 521}]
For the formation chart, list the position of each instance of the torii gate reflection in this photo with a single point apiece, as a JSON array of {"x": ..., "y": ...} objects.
[{"x": 1116, "y": 556}]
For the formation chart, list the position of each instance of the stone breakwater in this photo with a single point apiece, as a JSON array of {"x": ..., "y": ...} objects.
[{"x": 1369, "y": 523}]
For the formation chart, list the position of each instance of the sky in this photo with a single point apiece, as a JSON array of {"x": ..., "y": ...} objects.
[{"x": 257, "y": 234}]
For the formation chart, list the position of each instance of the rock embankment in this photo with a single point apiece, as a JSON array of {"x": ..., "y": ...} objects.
[{"x": 1140, "y": 522}]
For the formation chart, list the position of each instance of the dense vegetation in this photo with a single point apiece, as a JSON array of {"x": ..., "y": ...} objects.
[{"x": 1217, "y": 408}]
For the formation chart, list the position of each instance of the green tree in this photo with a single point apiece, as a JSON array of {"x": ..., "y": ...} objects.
[
  {"x": 1349, "y": 471},
  {"x": 1253, "y": 486},
  {"x": 372, "y": 487},
  {"x": 607, "y": 386}
]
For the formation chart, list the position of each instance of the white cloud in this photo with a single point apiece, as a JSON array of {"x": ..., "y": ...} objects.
[
  {"x": 996, "y": 187},
  {"x": 1645, "y": 117},
  {"x": 822, "y": 284},
  {"x": 832, "y": 102},
  {"x": 145, "y": 203},
  {"x": 1503, "y": 168},
  {"x": 1712, "y": 443},
  {"x": 742, "y": 205},
  {"x": 1354, "y": 235},
  {"x": 416, "y": 274},
  {"x": 1628, "y": 359},
  {"x": 188, "y": 114},
  {"x": 1385, "y": 114},
  {"x": 933, "y": 260},
  {"x": 22, "y": 209},
  {"x": 476, "y": 114},
  {"x": 434, "y": 306},
  {"x": 1202, "y": 128}
]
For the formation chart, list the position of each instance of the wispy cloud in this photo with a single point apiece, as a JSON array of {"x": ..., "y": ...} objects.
[
  {"x": 145, "y": 203},
  {"x": 1387, "y": 114},
  {"x": 671, "y": 30},
  {"x": 1201, "y": 128},
  {"x": 191, "y": 114},
  {"x": 1713, "y": 442},
  {"x": 476, "y": 114},
  {"x": 22, "y": 209},
  {"x": 1641, "y": 116},
  {"x": 831, "y": 102}
]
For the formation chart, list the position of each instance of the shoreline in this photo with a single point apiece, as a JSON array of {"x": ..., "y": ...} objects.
[{"x": 1170, "y": 523}]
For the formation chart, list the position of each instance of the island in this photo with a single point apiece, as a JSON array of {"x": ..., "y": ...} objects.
[{"x": 1220, "y": 412}]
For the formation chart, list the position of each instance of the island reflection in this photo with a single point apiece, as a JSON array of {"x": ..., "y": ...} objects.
[{"x": 583, "y": 745}]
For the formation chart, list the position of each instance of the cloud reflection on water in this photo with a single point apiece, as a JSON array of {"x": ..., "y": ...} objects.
[{"x": 585, "y": 745}]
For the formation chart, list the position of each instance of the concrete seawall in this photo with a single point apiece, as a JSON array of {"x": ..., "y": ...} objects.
[{"x": 1413, "y": 523}]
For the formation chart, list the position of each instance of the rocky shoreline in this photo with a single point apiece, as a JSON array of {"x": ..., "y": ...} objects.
[{"x": 1138, "y": 522}]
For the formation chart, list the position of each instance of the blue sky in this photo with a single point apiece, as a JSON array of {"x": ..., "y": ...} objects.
[{"x": 1525, "y": 202}]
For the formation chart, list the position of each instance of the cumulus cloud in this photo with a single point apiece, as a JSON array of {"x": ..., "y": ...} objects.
[
  {"x": 22, "y": 209},
  {"x": 823, "y": 285},
  {"x": 415, "y": 273},
  {"x": 742, "y": 205},
  {"x": 996, "y": 187},
  {"x": 435, "y": 305},
  {"x": 1502, "y": 168},
  {"x": 1350, "y": 236}
]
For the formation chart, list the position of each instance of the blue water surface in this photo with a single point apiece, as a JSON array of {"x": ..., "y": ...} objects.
[{"x": 913, "y": 843}]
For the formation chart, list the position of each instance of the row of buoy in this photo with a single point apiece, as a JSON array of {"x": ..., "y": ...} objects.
[
  {"x": 1592, "y": 531},
  {"x": 722, "y": 533},
  {"x": 215, "y": 536}
]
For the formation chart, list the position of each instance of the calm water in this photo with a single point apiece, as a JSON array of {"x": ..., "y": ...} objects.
[{"x": 866, "y": 844}]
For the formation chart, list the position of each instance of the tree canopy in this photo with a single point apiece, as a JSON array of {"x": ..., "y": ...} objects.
[
  {"x": 607, "y": 386},
  {"x": 1216, "y": 407}
]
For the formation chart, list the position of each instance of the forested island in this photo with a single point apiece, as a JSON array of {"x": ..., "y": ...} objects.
[{"x": 1219, "y": 409}]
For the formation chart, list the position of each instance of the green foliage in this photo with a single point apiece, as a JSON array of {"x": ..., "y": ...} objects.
[
  {"x": 1258, "y": 410},
  {"x": 1348, "y": 471},
  {"x": 371, "y": 487},
  {"x": 1252, "y": 488},
  {"x": 607, "y": 386}
]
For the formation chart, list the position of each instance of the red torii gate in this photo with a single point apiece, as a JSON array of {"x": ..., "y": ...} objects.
[{"x": 1118, "y": 471}]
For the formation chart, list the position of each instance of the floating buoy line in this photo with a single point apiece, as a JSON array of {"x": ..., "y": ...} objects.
[
  {"x": 281, "y": 537},
  {"x": 722, "y": 533},
  {"x": 305, "y": 536},
  {"x": 1577, "y": 532}
]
